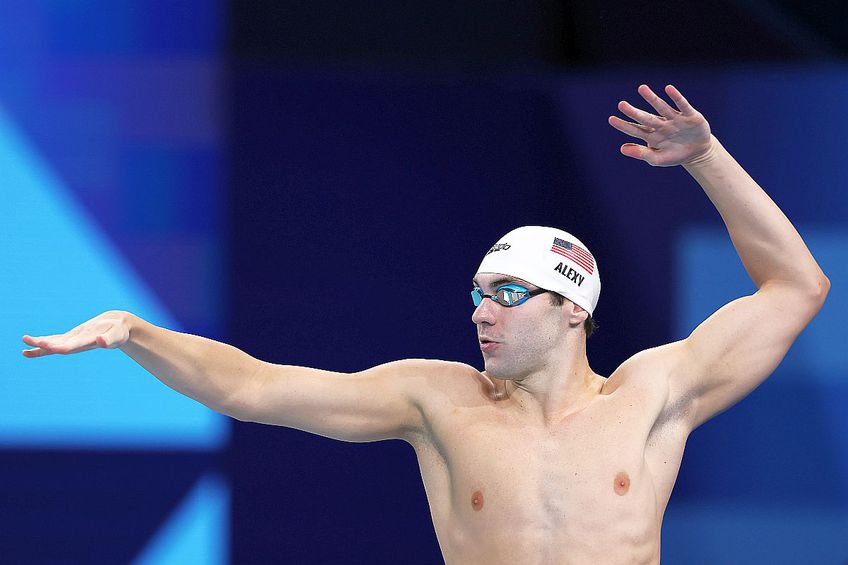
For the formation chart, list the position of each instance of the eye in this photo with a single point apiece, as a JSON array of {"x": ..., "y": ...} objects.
[{"x": 509, "y": 295}]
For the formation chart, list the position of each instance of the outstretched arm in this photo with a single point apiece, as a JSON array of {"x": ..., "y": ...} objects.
[
  {"x": 379, "y": 403},
  {"x": 736, "y": 348}
]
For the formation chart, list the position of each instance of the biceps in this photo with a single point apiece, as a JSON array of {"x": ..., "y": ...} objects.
[
  {"x": 738, "y": 347},
  {"x": 367, "y": 406}
]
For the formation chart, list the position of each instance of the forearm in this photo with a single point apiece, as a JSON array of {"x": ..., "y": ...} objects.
[
  {"x": 767, "y": 243},
  {"x": 208, "y": 371}
]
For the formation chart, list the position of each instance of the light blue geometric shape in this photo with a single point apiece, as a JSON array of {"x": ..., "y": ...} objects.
[
  {"x": 197, "y": 531},
  {"x": 59, "y": 270},
  {"x": 720, "y": 532},
  {"x": 710, "y": 274}
]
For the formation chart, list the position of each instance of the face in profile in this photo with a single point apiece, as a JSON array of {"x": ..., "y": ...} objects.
[{"x": 515, "y": 339}]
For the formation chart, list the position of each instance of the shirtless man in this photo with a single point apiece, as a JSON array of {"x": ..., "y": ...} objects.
[{"x": 537, "y": 459}]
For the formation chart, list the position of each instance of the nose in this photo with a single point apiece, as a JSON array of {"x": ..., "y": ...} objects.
[{"x": 485, "y": 313}]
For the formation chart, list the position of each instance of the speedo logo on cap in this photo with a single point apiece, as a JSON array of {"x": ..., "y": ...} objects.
[{"x": 498, "y": 247}]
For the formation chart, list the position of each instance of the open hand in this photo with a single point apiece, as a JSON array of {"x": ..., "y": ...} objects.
[
  {"x": 108, "y": 330},
  {"x": 674, "y": 137}
]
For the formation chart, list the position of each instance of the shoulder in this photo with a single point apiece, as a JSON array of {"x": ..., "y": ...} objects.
[
  {"x": 428, "y": 374},
  {"x": 425, "y": 368},
  {"x": 436, "y": 385},
  {"x": 647, "y": 370}
]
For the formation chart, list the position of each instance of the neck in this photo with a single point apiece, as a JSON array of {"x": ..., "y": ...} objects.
[{"x": 564, "y": 385}]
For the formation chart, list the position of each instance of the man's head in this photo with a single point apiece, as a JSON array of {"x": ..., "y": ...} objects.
[
  {"x": 519, "y": 332},
  {"x": 549, "y": 258}
]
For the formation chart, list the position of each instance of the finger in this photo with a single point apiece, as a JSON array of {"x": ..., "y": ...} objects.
[
  {"x": 37, "y": 352},
  {"x": 633, "y": 130},
  {"x": 679, "y": 101},
  {"x": 54, "y": 344},
  {"x": 641, "y": 116},
  {"x": 74, "y": 345},
  {"x": 633, "y": 150},
  {"x": 657, "y": 103},
  {"x": 647, "y": 154},
  {"x": 35, "y": 340},
  {"x": 44, "y": 342}
]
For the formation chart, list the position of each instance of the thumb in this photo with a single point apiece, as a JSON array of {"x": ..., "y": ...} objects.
[
  {"x": 114, "y": 337},
  {"x": 634, "y": 150}
]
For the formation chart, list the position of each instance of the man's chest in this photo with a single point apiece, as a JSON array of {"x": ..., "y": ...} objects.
[{"x": 492, "y": 466}]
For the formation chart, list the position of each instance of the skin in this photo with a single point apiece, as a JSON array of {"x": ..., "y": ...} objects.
[{"x": 536, "y": 459}]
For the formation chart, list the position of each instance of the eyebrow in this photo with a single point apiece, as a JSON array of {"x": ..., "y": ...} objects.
[{"x": 502, "y": 280}]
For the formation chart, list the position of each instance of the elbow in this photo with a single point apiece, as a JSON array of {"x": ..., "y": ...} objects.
[
  {"x": 240, "y": 406},
  {"x": 241, "y": 402},
  {"x": 818, "y": 293},
  {"x": 232, "y": 410},
  {"x": 238, "y": 411},
  {"x": 825, "y": 284},
  {"x": 808, "y": 298},
  {"x": 232, "y": 407},
  {"x": 823, "y": 288}
]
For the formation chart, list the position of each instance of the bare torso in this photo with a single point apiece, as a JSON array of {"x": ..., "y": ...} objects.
[{"x": 591, "y": 488}]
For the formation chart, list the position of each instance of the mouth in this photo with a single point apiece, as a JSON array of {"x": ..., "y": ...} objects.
[{"x": 487, "y": 344}]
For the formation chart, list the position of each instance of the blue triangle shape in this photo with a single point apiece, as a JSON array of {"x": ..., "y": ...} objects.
[
  {"x": 197, "y": 531},
  {"x": 58, "y": 271}
]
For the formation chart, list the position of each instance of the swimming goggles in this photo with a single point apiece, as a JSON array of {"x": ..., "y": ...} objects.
[{"x": 508, "y": 295}]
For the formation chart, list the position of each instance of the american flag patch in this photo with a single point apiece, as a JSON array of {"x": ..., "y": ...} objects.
[{"x": 575, "y": 253}]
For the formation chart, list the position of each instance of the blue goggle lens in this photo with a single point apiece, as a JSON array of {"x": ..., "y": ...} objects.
[{"x": 507, "y": 295}]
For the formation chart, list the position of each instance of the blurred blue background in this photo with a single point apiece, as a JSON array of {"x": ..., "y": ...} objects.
[{"x": 232, "y": 170}]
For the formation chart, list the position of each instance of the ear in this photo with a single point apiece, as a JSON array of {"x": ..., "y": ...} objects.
[{"x": 577, "y": 316}]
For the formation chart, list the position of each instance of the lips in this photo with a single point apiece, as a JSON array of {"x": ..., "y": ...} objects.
[{"x": 488, "y": 344}]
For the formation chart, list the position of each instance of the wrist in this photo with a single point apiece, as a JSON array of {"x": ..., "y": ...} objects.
[
  {"x": 705, "y": 157},
  {"x": 130, "y": 322}
]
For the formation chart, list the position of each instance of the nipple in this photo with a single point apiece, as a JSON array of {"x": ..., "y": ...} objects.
[
  {"x": 477, "y": 501},
  {"x": 621, "y": 484}
]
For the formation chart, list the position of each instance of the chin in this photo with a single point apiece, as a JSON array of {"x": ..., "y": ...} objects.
[{"x": 502, "y": 373}]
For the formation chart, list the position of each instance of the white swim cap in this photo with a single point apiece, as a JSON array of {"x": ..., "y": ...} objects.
[{"x": 548, "y": 258}]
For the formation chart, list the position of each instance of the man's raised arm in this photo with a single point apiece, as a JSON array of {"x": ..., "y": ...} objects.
[
  {"x": 736, "y": 348},
  {"x": 378, "y": 403}
]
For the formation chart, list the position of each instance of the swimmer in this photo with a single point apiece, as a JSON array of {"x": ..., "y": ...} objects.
[{"x": 536, "y": 459}]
